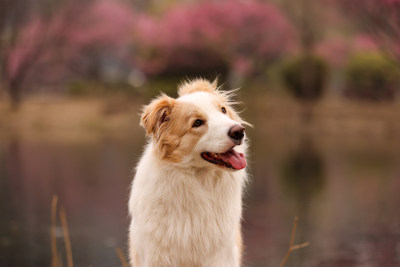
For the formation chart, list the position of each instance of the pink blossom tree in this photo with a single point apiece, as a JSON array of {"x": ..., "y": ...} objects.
[
  {"x": 13, "y": 18},
  {"x": 379, "y": 18},
  {"x": 105, "y": 26},
  {"x": 56, "y": 43},
  {"x": 210, "y": 36}
]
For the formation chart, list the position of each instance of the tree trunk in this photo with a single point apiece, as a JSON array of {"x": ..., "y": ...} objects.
[{"x": 14, "y": 89}]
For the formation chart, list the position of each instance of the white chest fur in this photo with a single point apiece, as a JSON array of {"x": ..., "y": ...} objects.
[{"x": 184, "y": 217}]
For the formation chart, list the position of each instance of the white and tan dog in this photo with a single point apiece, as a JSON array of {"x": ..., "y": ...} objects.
[{"x": 186, "y": 198}]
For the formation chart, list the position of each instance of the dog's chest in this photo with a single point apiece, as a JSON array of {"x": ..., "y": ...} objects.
[{"x": 196, "y": 215}]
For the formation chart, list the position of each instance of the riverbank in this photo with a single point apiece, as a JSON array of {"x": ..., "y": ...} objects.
[
  {"x": 274, "y": 116},
  {"x": 70, "y": 118}
]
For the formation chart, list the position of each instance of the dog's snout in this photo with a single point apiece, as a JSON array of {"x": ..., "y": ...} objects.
[{"x": 236, "y": 133}]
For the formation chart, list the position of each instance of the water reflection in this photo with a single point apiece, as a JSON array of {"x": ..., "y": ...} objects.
[
  {"x": 303, "y": 179},
  {"x": 344, "y": 192},
  {"x": 303, "y": 173},
  {"x": 91, "y": 180},
  {"x": 346, "y": 195}
]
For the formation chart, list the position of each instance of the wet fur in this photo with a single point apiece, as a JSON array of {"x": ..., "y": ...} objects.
[{"x": 185, "y": 211}]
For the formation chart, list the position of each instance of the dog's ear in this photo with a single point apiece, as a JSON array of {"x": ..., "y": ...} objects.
[{"x": 156, "y": 114}]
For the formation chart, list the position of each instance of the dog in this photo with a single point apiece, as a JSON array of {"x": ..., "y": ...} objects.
[{"x": 186, "y": 197}]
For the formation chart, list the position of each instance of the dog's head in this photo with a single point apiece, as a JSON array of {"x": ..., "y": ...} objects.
[{"x": 198, "y": 129}]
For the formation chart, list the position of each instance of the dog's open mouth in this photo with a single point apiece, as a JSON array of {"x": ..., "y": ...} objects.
[{"x": 230, "y": 159}]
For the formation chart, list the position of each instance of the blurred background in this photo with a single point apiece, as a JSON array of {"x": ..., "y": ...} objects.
[{"x": 319, "y": 81}]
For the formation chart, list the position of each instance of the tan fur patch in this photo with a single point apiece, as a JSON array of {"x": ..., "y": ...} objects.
[
  {"x": 156, "y": 113},
  {"x": 170, "y": 124}
]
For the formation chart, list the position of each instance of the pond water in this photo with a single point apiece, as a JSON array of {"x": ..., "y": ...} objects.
[{"x": 346, "y": 194}]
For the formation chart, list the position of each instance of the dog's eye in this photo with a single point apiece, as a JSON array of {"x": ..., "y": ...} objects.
[
  {"x": 198, "y": 123},
  {"x": 223, "y": 110}
]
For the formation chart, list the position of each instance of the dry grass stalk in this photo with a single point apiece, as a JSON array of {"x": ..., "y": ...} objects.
[
  {"x": 54, "y": 252},
  {"x": 67, "y": 240},
  {"x": 291, "y": 246},
  {"x": 121, "y": 257}
]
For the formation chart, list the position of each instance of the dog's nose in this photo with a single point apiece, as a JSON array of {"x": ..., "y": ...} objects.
[{"x": 236, "y": 133}]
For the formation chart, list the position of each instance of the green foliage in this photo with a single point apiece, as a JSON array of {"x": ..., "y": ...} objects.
[
  {"x": 372, "y": 76},
  {"x": 305, "y": 76}
]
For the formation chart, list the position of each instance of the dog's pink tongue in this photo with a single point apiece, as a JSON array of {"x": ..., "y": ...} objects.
[{"x": 236, "y": 160}]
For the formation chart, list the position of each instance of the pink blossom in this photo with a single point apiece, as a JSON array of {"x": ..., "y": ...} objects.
[
  {"x": 379, "y": 18},
  {"x": 106, "y": 22},
  {"x": 69, "y": 35},
  {"x": 208, "y": 34},
  {"x": 29, "y": 41},
  {"x": 243, "y": 66},
  {"x": 335, "y": 50},
  {"x": 366, "y": 43}
]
